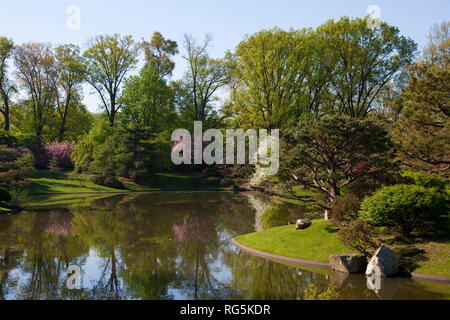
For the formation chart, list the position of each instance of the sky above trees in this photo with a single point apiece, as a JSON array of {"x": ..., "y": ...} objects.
[{"x": 227, "y": 21}]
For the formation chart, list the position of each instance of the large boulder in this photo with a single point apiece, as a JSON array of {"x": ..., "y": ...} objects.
[
  {"x": 303, "y": 224},
  {"x": 384, "y": 263},
  {"x": 348, "y": 263}
]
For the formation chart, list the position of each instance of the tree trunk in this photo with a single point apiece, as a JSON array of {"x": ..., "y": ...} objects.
[
  {"x": 6, "y": 115},
  {"x": 334, "y": 193}
]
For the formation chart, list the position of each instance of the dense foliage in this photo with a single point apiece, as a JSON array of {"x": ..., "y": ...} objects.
[
  {"x": 332, "y": 152},
  {"x": 422, "y": 130},
  {"x": 424, "y": 180},
  {"x": 83, "y": 155},
  {"x": 357, "y": 234},
  {"x": 404, "y": 208},
  {"x": 345, "y": 209},
  {"x": 338, "y": 68},
  {"x": 16, "y": 166}
]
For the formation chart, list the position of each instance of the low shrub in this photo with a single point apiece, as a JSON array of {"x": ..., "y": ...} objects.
[
  {"x": 98, "y": 179},
  {"x": 7, "y": 139},
  {"x": 4, "y": 195},
  {"x": 34, "y": 144},
  {"x": 113, "y": 182},
  {"x": 404, "y": 208},
  {"x": 16, "y": 166},
  {"x": 107, "y": 181},
  {"x": 357, "y": 235},
  {"x": 344, "y": 209}
]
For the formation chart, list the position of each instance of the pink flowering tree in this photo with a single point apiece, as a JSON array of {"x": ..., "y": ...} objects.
[{"x": 60, "y": 152}]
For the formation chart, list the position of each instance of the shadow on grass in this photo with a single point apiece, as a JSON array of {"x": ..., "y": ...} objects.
[
  {"x": 330, "y": 229},
  {"x": 409, "y": 257},
  {"x": 50, "y": 175}
]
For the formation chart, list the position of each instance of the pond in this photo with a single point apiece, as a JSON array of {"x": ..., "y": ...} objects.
[{"x": 166, "y": 246}]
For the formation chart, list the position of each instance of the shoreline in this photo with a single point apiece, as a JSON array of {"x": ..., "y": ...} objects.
[
  {"x": 104, "y": 194},
  {"x": 323, "y": 265},
  {"x": 128, "y": 192}
]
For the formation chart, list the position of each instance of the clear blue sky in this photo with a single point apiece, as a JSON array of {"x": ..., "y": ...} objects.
[{"x": 228, "y": 21}]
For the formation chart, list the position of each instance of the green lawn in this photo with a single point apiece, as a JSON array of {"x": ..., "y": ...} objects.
[
  {"x": 436, "y": 259},
  {"x": 300, "y": 191},
  {"x": 50, "y": 190},
  {"x": 316, "y": 243},
  {"x": 320, "y": 241},
  {"x": 427, "y": 253},
  {"x": 46, "y": 183}
]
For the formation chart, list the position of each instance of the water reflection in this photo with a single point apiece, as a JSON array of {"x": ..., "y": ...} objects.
[{"x": 165, "y": 246}]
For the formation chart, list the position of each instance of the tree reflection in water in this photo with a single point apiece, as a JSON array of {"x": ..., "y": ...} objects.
[{"x": 162, "y": 246}]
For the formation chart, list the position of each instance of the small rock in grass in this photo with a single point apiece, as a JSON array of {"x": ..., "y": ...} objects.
[{"x": 303, "y": 224}]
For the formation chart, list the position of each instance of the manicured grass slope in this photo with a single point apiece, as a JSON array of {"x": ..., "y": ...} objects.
[
  {"x": 316, "y": 243},
  {"x": 320, "y": 241},
  {"x": 46, "y": 182},
  {"x": 436, "y": 261}
]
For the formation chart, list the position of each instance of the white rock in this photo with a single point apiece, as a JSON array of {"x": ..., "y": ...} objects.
[
  {"x": 384, "y": 263},
  {"x": 303, "y": 224}
]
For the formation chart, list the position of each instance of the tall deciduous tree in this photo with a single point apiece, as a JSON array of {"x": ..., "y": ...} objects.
[
  {"x": 205, "y": 76},
  {"x": 6, "y": 85},
  {"x": 70, "y": 75},
  {"x": 339, "y": 68},
  {"x": 37, "y": 74},
  {"x": 268, "y": 69},
  {"x": 147, "y": 101},
  {"x": 158, "y": 53},
  {"x": 108, "y": 60},
  {"x": 422, "y": 131},
  {"x": 364, "y": 60}
]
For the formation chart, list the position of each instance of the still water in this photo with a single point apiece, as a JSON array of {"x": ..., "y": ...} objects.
[{"x": 166, "y": 246}]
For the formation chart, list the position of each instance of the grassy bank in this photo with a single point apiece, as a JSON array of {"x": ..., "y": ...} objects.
[
  {"x": 427, "y": 253},
  {"x": 62, "y": 201},
  {"x": 433, "y": 258},
  {"x": 316, "y": 243},
  {"x": 320, "y": 241},
  {"x": 50, "y": 189},
  {"x": 48, "y": 183}
]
